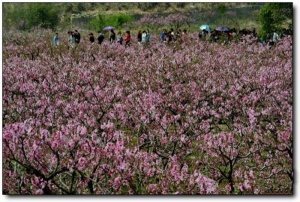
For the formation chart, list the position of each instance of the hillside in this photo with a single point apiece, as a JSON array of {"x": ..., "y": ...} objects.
[{"x": 239, "y": 15}]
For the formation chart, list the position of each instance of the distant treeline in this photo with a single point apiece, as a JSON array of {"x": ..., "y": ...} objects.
[
  {"x": 24, "y": 16},
  {"x": 92, "y": 16}
]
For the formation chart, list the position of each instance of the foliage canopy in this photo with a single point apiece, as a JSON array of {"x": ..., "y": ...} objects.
[
  {"x": 24, "y": 16},
  {"x": 102, "y": 21},
  {"x": 273, "y": 16}
]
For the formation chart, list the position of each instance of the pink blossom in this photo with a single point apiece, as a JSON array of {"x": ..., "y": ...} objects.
[
  {"x": 162, "y": 119},
  {"x": 39, "y": 192},
  {"x": 117, "y": 181},
  {"x": 241, "y": 187},
  {"x": 246, "y": 184}
]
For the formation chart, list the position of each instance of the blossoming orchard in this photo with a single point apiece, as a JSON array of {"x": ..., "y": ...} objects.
[{"x": 190, "y": 117}]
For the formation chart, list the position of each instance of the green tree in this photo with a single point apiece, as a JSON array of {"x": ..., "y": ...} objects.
[
  {"x": 97, "y": 23},
  {"x": 116, "y": 20},
  {"x": 272, "y": 17},
  {"x": 13, "y": 16},
  {"x": 24, "y": 16},
  {"x": 222, "y": 9},
  {"x": 42, "y": 14}
]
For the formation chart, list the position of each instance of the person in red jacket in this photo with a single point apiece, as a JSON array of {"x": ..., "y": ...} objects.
[{"x": 127, "y": 39}]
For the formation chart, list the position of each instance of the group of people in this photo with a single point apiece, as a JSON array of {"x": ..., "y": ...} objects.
[
  {"x": 227, "y": 36},
  {"x": 234, "y": 34},
  {"x": 168, "y": 36},
  {"x": 143, "y": 37},
  {"x": 74, "y": 38},
  {"x": 119, "y": 38}
]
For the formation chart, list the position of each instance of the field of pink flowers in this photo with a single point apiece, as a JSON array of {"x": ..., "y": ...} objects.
[{"x": 183, "y": 118}]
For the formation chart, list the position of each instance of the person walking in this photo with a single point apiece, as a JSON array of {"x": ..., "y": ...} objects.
[
  {"x": 77, "y": 36},
  {"x": 127, "y": 39},
  {"x": 172, "y": 35},
  {"x": 163, "y": 36},
  {"x": 92, "y": 38},
  {"x": 139, "y": 37},
  {"x": 100, "y": 38},
  {"x": 55, "y": 40},
  {"x": 147, "y": 36},
  {"x": 112, "y": 37},
  {"x": 119, "y": 37},
  {"x": 71, "y": 39},
  {"x": 144, "y": 35}
]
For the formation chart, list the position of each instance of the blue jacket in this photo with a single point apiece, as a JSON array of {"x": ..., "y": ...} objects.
[
  {"x": 55, "y": 41},
  {"x": 147, "y": 37},
  {"x": 162, "y": 36}
]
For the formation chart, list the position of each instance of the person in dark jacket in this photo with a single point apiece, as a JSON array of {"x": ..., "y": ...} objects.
[
  {"x": 92, "y": 38},
  {"x": 77, "y": 36},
  {"x": 112, "y": 37},
  {"x": 100, "y": 38},
  {"x": 139, "y": 37}
]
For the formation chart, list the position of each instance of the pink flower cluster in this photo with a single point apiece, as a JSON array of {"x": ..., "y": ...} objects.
[{"x": 193, "y": 118}]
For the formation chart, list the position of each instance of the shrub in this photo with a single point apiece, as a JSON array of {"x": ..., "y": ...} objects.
[{"x": 116, "y": 20}]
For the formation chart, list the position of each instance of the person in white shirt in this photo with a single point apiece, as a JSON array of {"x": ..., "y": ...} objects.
[
  {"x": 275, "y": 37},
  {"x": 144, "y": 37}
]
